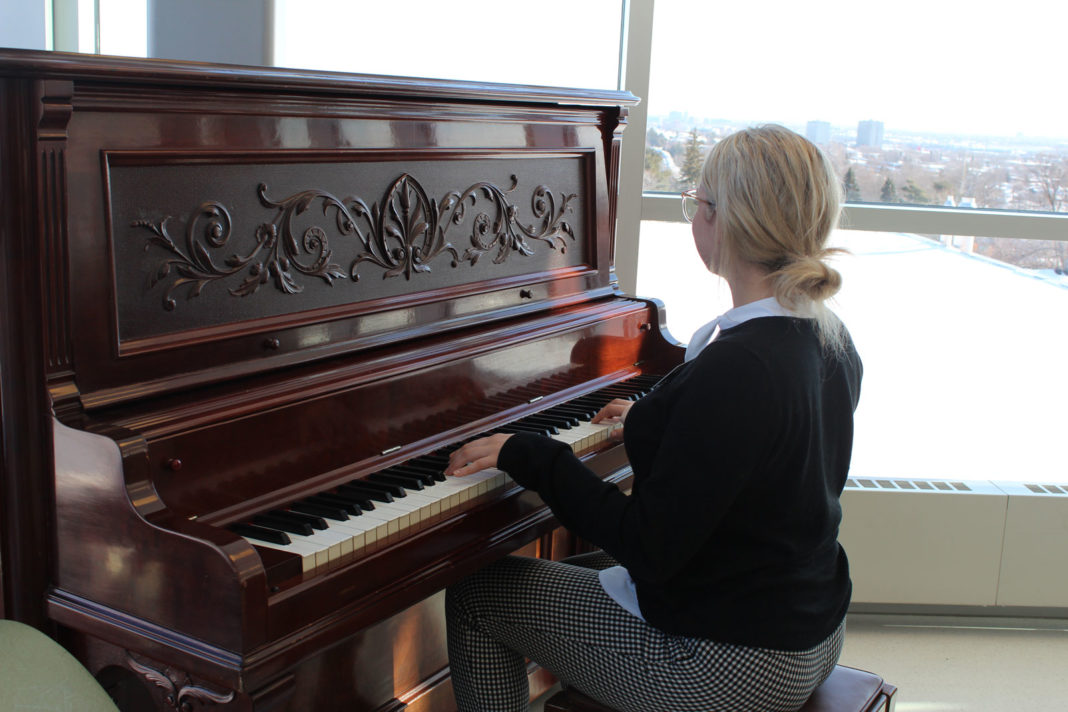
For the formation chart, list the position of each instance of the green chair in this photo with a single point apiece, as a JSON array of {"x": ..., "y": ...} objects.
[{"x": 38, "y": 675}]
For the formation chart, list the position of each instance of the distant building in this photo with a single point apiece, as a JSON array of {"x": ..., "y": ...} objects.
[
  {"x": 870, "y": 133},
  {"x": 818, "y": 132}
]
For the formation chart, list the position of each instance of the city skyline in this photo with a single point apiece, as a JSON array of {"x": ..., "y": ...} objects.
[{"x": 891, "y": 133}]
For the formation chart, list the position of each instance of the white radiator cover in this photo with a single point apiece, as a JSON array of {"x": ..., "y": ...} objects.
[{"x": 956, "y": 543}]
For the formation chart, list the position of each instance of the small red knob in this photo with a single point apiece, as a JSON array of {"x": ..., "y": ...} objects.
[{"x": 173, "y": 464}]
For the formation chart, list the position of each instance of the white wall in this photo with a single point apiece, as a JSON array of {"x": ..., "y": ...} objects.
[{"x": 22, "y": 24}]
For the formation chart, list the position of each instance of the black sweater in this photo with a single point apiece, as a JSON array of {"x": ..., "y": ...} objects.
[{"x": 739, "y": 458}]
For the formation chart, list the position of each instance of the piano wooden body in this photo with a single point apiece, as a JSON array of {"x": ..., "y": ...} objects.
[{"x": 227, "y": 289}]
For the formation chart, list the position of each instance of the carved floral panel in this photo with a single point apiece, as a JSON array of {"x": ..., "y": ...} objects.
[{"x": 203, "y": 245}]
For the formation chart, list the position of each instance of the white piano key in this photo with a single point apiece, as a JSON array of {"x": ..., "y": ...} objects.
[
  {"x": 326, "y": 542},
  {"x": 587, "y": 435},
  {"x": 359, "y": 533},
  {"x": 389, "y": 514},
  {"x": 306, "y": 552},
  {"x": 373, "y": 528}
]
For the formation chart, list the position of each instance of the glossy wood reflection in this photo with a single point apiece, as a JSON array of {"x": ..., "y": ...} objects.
[{"x": 231, "y": 293}]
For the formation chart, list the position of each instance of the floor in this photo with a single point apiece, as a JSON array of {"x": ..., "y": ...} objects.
[
  {"x": 973, "y": 664},
  {"x": 943, "y": 664}
]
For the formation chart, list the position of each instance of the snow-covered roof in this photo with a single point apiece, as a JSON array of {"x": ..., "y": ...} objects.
[{"x": 964, "y": 356}]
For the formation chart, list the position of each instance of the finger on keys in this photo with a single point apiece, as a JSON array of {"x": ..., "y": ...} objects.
[
  {"x": 615, "y": 411},
  {"x": 476, "y": 455}
]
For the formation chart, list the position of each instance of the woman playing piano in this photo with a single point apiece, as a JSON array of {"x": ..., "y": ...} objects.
[{"x": 722, "y": 585}]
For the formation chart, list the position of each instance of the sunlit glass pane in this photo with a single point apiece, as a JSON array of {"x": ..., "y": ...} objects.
[
  {"x": 456, "y": 40},
  {"x": 962, "y": 358},
  {"x": 893, "y": 137}
]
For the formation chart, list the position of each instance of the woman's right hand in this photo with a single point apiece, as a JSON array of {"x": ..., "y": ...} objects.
[{"x": 615, "y": 412}]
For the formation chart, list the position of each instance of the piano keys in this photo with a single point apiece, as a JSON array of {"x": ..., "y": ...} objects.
[{"x": 334, "y": 525}]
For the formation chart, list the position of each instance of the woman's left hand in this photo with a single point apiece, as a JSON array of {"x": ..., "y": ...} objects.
[{"x": 476, "y": 455}]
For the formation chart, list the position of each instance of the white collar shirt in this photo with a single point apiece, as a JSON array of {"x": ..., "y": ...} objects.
[{"x": 732, "y": 318}]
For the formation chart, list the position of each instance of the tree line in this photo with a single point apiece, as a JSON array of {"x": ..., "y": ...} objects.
[{"x": 975, "y": 178}]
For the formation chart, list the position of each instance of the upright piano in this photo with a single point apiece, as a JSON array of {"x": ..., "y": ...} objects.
[{"x": 246, "y": 314}]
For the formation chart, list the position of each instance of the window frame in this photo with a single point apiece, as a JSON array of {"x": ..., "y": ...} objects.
[{"x": 924, "y": 220}]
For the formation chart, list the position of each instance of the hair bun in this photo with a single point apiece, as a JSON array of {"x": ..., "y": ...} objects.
[{"x": 808, "y": 279}]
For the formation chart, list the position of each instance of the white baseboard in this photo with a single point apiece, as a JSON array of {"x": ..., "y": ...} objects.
[{"x": 956, "y": 543}]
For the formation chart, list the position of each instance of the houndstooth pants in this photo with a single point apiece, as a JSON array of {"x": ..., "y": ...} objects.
[{"x": 558, "y": 615}]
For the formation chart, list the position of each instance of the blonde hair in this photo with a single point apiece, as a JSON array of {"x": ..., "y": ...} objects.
[{"x": 777, "y": 201}]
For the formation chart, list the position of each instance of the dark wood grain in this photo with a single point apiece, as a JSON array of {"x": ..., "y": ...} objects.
[{"x": 227, "y": 288}]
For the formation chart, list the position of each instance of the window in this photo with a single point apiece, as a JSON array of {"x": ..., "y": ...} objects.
[
  {"x": 555, "y": 43},
  {"x": 962, "y": 353},
  {"x": 958, "y": 312},
  {"x": 917, "y": 103},
  {"x": 955, "y": 311},
  {"x": 123, "y": 27}
]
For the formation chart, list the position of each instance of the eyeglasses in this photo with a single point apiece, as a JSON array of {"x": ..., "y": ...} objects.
[{"x": 691, "y": 203}]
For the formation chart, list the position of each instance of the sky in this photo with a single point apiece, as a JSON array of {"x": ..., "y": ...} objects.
[
  {"x": 571, "y": 43},
  {"x": 939, "y": 66},
  {"x": 943, "y": 66}
]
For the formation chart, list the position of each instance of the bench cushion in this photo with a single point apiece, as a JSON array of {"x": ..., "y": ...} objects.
[{"x": 846, "y": 690}]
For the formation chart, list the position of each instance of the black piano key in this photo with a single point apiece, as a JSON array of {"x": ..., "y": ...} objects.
[
  {"x": 423, "y": 463},
  {"x": 374, "y": 490},
  {"x": 436, "y": 465},
  {"x": 412, "y": 482},
  {"x": 338, "y": 514},
  {"x": 422, "y": 472},
  {"x": 558, "y": 422},
  {"x": 583, "y": 412},
  {"x": 362, "y": 501},
  {"x": 351, "y": 505},
  {"x": 567, "y": 417},
  {"x": 313, "y": 521},
  {"x": 261, "y": 533},
  {"x": 394, "y": 489},
  {"x": 544, "y": 428},
  {"x": 621, "y": 392},
  {"x": 591, "y": 403},
  {"x": 282, "y": 524},
  {"x": 518, "y": 427}
]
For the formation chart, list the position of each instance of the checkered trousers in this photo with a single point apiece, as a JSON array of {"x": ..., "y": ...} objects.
[{"x": 557, "y": 614}]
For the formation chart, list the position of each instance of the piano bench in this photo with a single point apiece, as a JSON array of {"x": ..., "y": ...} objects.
[{"x": 846, "y": 690}]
